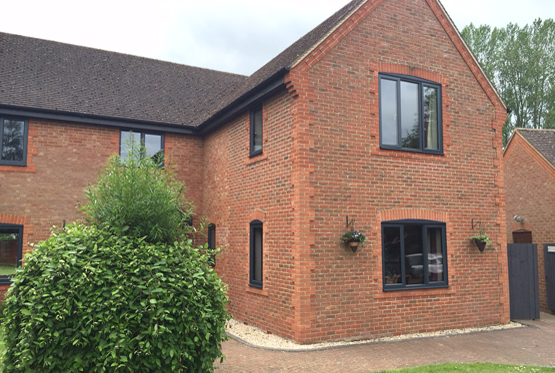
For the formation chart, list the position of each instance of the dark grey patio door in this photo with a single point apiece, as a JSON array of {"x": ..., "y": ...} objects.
[
  {"x": 523, "y": 281},
  {"x": 549, "y": 261}
]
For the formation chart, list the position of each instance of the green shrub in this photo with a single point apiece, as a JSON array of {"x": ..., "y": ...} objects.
[
  {"x": 94, "y": 301},
  {"x": 136, "y": 196}
]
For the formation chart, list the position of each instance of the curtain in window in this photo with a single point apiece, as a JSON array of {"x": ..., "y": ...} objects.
[{"x": 430, "y": 118}]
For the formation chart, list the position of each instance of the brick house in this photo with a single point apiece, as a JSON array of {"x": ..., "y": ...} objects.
[
  {"x": 529, "y": 162},
  {"x": 380, "y": 114}
]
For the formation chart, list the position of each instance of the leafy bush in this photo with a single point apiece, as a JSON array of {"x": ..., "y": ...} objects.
[
  {"x": 136, "y": 193},
  {"x": 94, "y": 301}
]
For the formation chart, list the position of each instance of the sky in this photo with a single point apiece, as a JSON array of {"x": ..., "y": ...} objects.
[{"x": 237, "y": 36}]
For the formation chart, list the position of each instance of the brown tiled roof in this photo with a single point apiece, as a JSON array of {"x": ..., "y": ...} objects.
[
  {"x": 543, "y": 140},
  {"x": 42, "y": 74}
]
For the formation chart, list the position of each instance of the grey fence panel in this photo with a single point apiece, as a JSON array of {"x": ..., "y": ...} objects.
[
  {"x": 523, "y": 281},
  {"x": 549, "y": 264}
]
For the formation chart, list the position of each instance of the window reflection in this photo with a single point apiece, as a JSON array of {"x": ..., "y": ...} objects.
[{"x": 13, "y": 140}]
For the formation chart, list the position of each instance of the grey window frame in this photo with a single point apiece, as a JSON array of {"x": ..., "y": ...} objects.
[
  {"x": 23, "y": 162},
  {"x": 211, "y": 241},
  {"x": 13, "y": 228},
  {"x": 143, "y": 133},
  {"x": 421, "y": 83},
  {"x": 426, "y": 285},
  {"x": 252, "y": 151},
  {"x": 254, "y": 225}
]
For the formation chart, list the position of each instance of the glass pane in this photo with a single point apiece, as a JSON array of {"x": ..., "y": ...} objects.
[
  {"x": 392, "y": 255},
  {"x": 431, "y": 140},
  {"x": 153, "y": 147},
  {"x": 257, "y": 128},
  {"x": 126, "y": 141},
  {"x": 410, "y": 132},
  {"x": 211, "y": 238},
  {"x": 388, "y": 112},
  {"x": 414, "y": 253},
  {"x": 435, "y": 256},
  {"x": 13, "y": 140},
  {"x": 9, "y": 246},
  {"x": 257, "y": 254}
]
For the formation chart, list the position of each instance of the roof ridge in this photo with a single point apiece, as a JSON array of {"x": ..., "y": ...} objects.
[
  {"x": 534, "y": 129},
  {"x": 119, "y": 53}
]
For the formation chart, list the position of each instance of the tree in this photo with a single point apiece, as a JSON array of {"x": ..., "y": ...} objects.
[{"x": 521, "y": 64}]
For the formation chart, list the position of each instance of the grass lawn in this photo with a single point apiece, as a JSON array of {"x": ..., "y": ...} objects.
[
  {"x": 7, "y": 270},
  {"x": 475, "y": 367}
]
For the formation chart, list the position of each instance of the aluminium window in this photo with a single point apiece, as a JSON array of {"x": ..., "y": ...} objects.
[
  {"x": 11, "y": 246},
  {"x": 256, "y": 249},
  {"x": 13, "y": 141},
  {"x": 414, "y": 254},
  {"x": 153, "y": 144},
  {"x": 410, "y": 114},
  {"x": 256, "y": 131},
  {"x": 212, "y": 244}
]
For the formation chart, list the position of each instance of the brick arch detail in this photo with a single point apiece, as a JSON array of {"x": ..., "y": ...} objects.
[{"x": 419, "y": 214}]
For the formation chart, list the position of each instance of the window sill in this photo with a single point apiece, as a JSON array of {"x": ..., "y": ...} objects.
[
  {"x": 408, "y": 154},
  {"x": 13, "y": 168},
  {"x": 408, "y": 292},
  {"x": 256, "y": 159},
  {"x": 409, "y": 150},
  {"x": 258, "y": 291},
  {"x": 6, "y": 281}
]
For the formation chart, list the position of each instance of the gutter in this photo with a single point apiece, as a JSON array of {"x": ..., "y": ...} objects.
[
  {"x": 267, "y": 88},
  {"x": 65, "y": 116}
]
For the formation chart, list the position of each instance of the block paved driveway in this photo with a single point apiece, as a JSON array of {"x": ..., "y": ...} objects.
[{"x": 532, "y": 345}]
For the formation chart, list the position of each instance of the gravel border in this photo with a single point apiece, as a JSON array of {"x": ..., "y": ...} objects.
[{"x": 257, "y": 338}]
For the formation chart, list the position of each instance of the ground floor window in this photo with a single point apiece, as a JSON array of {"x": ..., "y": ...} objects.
[
  {"x": 212, "y": 243},
  {"x": 256, "y": 254},
  {"x": 11, "y": 243},
  {"x": 414, "y": 254}
]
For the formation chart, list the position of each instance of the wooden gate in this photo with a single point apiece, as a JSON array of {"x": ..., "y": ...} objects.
[
  {"x": 523, "y": 281},
  {"x": 549, "y": 261}
]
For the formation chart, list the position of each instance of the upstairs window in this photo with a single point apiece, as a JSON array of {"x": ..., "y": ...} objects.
[
  {"x": 410, "y": 114},
  {"x": 153, "y": 144},
  {"x": 11, "y": 244},
  {"x": 256, "y": 131},
  {"x": 13, "y": 141},
  {"x": 414, "y": 254},
  {"x": 255, "y": 277}
]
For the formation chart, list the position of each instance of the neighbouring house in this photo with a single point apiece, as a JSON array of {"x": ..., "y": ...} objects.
[
  {"x": 380, "y": 115},
  {"x": 529, "y": 162}
]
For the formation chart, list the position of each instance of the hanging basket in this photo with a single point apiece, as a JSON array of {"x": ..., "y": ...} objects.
[
  {"x": 354, "y": 245},
  {"x": 481, "y": 245}
]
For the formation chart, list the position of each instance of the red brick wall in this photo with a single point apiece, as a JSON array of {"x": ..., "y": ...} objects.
[
  {"x": 238, "y": 190},
  {"x": 63, "y": 158},
  {"x": 530, "y": 193},
  {"x": 340, "y": 292},
  {"x": 185, "y": 154}
]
